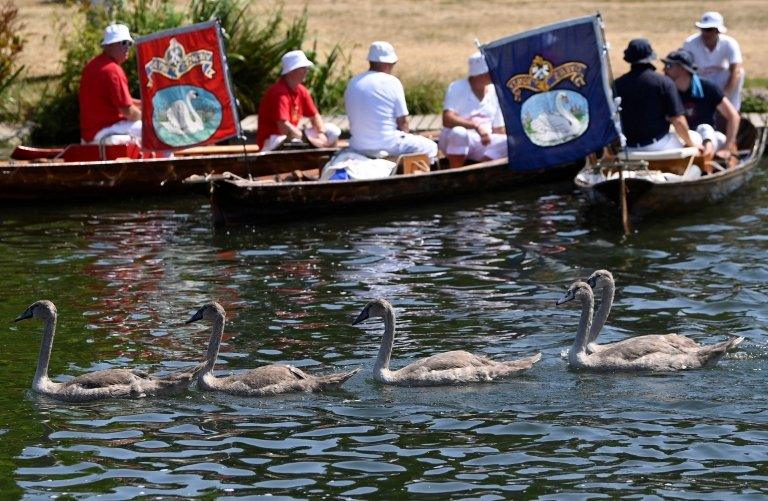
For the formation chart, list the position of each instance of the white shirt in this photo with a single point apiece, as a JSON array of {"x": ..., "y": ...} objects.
[
  {"x": 714, "y": 64},
  {"x": 460, "y": 98},
  {"x": 374, "y": 101}
]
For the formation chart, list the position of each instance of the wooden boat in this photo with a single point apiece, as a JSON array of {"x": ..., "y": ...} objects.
[
  {"x": 670, "y": 185},
  {"x": 238, "y": 200},
  {"x": 42, "y": 180}
]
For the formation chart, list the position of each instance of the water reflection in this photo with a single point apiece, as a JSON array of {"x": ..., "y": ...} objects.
[{"x": 479, "y": 275}]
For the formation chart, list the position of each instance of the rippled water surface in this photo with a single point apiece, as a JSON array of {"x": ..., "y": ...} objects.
[{"x": 481, "y": 275}]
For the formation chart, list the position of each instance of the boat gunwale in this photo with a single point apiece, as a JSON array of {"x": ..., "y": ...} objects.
[
  {"x": 753, "y": 158},
  {"x": 14, "y": 164},
  {"x": 352, "y": 183}
]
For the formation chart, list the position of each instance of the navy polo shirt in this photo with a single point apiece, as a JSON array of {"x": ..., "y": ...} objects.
[
  {"x": 647, "y": 100},
  {"x": 701, "y": 110}
]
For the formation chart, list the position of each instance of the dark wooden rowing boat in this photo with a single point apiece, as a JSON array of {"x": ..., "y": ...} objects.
[
  {"x": 51, "y": 181},
  {"x": 647, "y": 194},
  {"x": 257, "y": 201}
]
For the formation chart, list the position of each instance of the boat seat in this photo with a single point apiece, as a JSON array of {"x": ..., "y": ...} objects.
[
  {"x": 416, "y": 163},
  {"x": 675, "y": 161}
]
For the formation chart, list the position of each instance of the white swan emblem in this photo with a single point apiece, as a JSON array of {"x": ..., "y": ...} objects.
[
  {"x": 556, "y": 127},
  {"x": 182, "y": 117}
]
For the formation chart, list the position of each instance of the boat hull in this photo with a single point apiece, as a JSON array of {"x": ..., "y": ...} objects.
[
  {"x": 239, "y": 201},
  {"x": 646, "y": 197},
  {"x": 57, "y": 182}
]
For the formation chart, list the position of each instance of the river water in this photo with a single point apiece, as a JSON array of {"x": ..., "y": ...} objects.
[{"x": 481, "y": 275}]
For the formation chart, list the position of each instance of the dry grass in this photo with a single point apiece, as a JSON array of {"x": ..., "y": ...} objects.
[{"x": 434, "y": 37}]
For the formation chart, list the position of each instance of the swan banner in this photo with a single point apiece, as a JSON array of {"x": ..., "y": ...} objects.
[
  {"x": 186, "y": 93},
  {"x": 553, "y": 86}
]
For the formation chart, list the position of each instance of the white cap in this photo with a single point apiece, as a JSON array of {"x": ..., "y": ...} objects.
[
  {"x": 477, "y": 65},
  {"x": 115, "y": 33},
  {"x": 294, "y": 60},
  {"x": 382, "y": 52},
  {"x": 712, "y": 19}
]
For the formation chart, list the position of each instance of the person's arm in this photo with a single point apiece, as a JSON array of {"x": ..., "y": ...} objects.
[
  {"x": 402, "y": 123},
  {"x": 736, "y": 70},
  {"x": 452, "y": 119},
  {"x": 732, "y": 120},
  {"x": 319, "y": 126},
  {"x": 681, "y": 128},
  {"x": 131, "y": 112},
  {"x": 317, "y": 123},
  {"x": 400, "y": 107},
  {"x": 286, "y": 128}
]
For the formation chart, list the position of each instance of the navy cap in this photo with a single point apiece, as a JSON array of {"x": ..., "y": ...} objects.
[
  {"x": 682, "y": 57},
  {"x": 639, "y": 51}
]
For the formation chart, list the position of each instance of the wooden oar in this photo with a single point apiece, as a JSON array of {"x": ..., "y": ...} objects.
[{"x": 227, "y": 149}]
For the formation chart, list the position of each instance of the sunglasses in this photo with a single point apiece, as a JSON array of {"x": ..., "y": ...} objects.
[
  {"x": 709, "y": 30},
  {"x": 126, "y": 43}
]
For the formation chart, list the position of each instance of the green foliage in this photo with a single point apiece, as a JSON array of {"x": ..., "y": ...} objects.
[
  {"x": 328, "y": 80},
  {"x": 254, "y": 50},
  {"x": 424, "y": 97},
  {"x": 11, "y": 44},
  {"x": 755, "y": 101},
  {"x": 57, "y": 114}
]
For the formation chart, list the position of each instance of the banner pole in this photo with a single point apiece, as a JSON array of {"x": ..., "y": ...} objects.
[
  {"x": 624, "y": 209},
  {"x": 236, "y": 108}
]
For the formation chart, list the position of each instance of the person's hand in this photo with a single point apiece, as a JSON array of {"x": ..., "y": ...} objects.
[
  {"x": 322, "y": 137},
  {"x": 707, "y": 149},
  {"x": 485, "y": 134},
  {"x": 723, "y": 153}
]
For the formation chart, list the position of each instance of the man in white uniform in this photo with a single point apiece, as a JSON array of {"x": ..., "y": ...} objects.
[
  {"x": 718, "y": 56},
  {"x": 473, "y": 126},
  {"x": 378, "y": 116}
]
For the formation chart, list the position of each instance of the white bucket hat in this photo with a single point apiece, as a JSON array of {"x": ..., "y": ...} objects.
[
  {"x": 294, "y": 60},
  {"x": 382, "y": 52},
  {"x": 115, "y": 33},
  {"x": 477, "y": 64},
  {"x": 712, "y": 19}
]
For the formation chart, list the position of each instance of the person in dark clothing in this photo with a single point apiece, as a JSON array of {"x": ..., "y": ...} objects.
[
  {"x": 649, "y": 103},
  {"x": 701, "y": 98}
]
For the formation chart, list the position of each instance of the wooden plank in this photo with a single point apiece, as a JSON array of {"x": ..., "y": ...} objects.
[
  {"x": 416, "y": 121},
  {"x": 216, "y": 150},
  {"x": 757, "y": 119},
  {"x": 437, "y": 122}
]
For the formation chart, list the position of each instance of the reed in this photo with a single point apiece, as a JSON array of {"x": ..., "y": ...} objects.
[{"x": 11, "y": 44}]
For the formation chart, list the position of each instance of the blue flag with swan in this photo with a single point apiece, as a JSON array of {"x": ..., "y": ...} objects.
[{"x": 554, "y": 89}]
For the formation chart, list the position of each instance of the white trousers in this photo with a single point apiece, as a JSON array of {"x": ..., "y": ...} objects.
[
  {"x": 121, "y": 128},
  {"x": 708, "y": 133},
  {"x": 332, "y": 132},
  {"x": 404, "y": 144},
  {"x": 670, "y": 141},
  {"x": 462, "y": 141}
]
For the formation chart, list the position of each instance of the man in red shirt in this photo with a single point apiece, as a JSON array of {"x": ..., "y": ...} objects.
[
  {"x": 284, "y": 104},
  {"x": 106, "y": 106}
]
